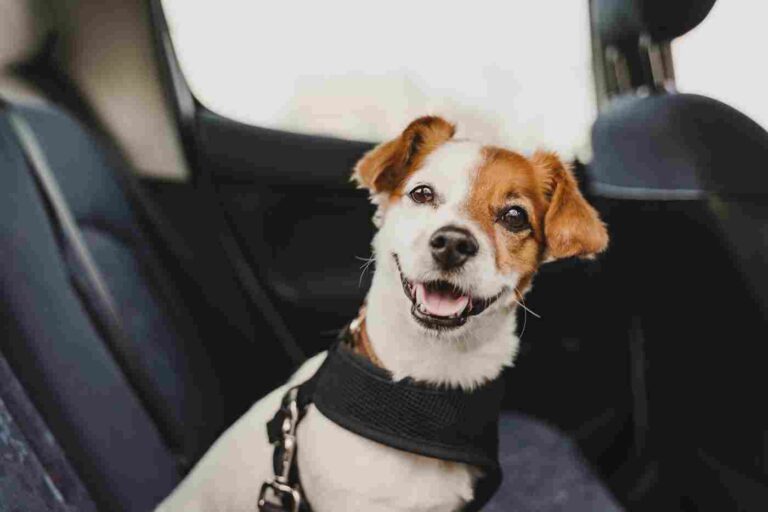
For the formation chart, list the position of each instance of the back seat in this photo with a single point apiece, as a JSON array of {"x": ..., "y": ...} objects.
[
  {"x": 130, "y": 446},
  {"x": 677, "y": 174},
  {"x": 34, "y": 471}
]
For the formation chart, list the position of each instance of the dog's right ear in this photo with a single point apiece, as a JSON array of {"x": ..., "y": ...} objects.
[
  {"x": 572, "y": 227},
  {"x": 383, "y": 168}
]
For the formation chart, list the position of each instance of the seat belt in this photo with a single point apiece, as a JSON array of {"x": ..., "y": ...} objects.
[
  {"x": 87, "y": 277},
  {"x": 186, "y": 114}
]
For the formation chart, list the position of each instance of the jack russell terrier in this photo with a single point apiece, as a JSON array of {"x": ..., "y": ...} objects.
[{"x": 462, "y": 230}]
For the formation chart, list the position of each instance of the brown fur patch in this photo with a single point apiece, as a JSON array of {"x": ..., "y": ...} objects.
[
  {"x": 571, "y": 226},
  {"x": 506, "y": 178},
  {"x": 562, "y": 223},
  {"x": 386, "y": 166}
]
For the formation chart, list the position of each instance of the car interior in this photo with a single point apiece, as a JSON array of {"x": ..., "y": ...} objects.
[{"x": 142, "y": 315}]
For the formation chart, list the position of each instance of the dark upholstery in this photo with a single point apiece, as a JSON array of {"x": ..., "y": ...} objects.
[
  {"x": 683, "y": 146},
  {"x": 127, "y": 448},
  {"x": 35, "y": 475},
  {"x": 544, "y": 472},
  {"x": 623, "y": 21},
  {"x": 62, "y": 360},
  {"x": 743, "y": 222},
  {"x": 153, "y": 314},
  {"x": 23, "y": 481},
  {"x": 686, "y": 186},
  {"x": 675, "y": 146}
]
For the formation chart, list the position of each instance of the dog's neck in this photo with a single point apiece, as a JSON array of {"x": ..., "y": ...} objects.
[
  {"x": 360, "y": 340},
  {"x": 388, "y": 335}
]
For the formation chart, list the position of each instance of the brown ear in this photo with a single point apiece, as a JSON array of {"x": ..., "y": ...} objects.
[
  {"x": 384, "y": 167},
  {"x": 571, "y": 226}
]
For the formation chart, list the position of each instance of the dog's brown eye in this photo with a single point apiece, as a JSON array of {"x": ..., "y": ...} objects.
[
  {"x": 514, "y": 219},
  {"x": 422, "y": 194}
]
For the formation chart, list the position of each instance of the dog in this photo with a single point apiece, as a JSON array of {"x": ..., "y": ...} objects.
[{"x": 462, "y": 230}]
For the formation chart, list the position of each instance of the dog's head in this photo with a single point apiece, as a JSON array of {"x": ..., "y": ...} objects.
[{"x": 464, "y": 227}]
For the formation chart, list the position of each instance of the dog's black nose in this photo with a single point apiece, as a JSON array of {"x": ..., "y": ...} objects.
[{"x": 452, "y": 246}]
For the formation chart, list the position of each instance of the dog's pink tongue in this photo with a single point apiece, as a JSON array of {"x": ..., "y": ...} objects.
[{"x": 438, "y": 303}]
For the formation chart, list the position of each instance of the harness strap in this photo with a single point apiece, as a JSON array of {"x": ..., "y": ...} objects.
[
  {"x": 444, "y": 423},
  {"x": 283, "y": 493}
]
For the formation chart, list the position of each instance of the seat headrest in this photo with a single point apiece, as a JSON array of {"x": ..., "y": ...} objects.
[
  {"x": 623, "y": 21},
  {"x": 677, "y": 146},
  {"x": 24, "y": 25}
]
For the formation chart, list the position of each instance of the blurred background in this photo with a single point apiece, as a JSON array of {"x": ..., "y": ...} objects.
[{"x": 178, "y": 230}]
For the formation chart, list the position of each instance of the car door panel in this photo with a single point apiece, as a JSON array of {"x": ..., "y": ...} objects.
[{"x": 303, "y": 225}]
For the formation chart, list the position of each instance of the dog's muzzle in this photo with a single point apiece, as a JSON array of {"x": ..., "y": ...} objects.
[{"x": 440, "y": 304}]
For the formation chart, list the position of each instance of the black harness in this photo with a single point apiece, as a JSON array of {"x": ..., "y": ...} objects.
[{"x": 443, "y": 423}]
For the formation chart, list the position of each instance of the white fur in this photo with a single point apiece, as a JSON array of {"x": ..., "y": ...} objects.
[
  {"x": 466, "y": 356},
  {"x": 340, "y": 470}
]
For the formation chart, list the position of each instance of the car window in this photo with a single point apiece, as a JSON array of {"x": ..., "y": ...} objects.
[
  {"x": 509, "y": 71},
  {"x": 724, "y": 57}
]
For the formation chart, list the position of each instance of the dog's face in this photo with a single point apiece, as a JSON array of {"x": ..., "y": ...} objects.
[{"x": 464, "y": 227}]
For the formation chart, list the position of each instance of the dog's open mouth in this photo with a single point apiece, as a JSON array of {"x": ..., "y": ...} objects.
[{"x": 441, "y": 304}]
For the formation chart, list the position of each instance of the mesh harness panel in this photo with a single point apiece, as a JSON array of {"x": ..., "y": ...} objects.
[{"x": 439, "y": 422}]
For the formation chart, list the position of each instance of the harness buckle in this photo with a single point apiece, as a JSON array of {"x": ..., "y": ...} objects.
[
  {"x": 278, "y": 493},
  {"x": 276, "y": 496}
]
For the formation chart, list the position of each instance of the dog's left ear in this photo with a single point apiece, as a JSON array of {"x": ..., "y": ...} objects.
[
  {"x": 572, "y": 227},
  {"x": 383, "y": 168}
]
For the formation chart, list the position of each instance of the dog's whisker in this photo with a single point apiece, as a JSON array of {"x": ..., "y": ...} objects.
[
  {"x": 525, "y": 321},
  {"x": 367, "y": 262},
  {"x": 526, "y": 310},
  {"x": 521, "y": 303}
]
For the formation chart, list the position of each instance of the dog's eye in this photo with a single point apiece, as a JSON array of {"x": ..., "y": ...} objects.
[
  {"x": 422, "y": 194},
  {"x": 514, "y": 219}
]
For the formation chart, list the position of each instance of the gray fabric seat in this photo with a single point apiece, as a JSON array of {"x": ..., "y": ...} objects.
[
  {"x": 56, "y": 347},
  {"x": 35, "y": 475},
  {"x": 544, "y": 472}
]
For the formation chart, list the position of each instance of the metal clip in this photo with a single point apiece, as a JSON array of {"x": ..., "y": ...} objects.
[
  {"x": 279, "y": 493},
  {"x": 281, "y": 490},
  {"x": 288, "y": 442}
]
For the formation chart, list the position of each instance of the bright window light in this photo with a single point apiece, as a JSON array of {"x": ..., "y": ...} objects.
[
  {"x": 724, "y": 57},
  {"x": 511, "y": 72}
]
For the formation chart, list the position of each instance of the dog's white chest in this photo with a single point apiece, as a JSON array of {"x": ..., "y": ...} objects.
[{"x": 341, "y": 471}]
